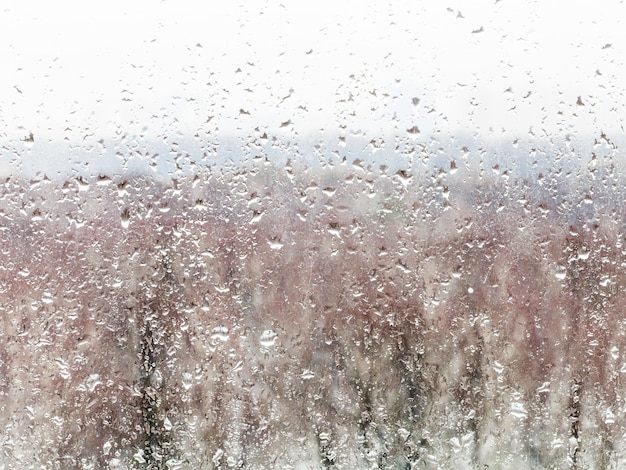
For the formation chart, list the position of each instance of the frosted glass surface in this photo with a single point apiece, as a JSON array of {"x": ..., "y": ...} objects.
[{"x": 350, "y": 235}]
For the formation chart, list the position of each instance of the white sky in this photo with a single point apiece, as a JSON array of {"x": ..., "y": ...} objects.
[{"x": 76, "y": 72}]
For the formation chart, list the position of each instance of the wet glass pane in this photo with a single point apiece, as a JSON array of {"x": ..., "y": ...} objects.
[{"x": 337, "y": 234}]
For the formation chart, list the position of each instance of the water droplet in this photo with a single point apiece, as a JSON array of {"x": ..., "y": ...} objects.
[
  {"x": 187, "y": 380},
  {"x": 545, "y": 388},
  {"x": 29, "y": 140},
  {"x": 82, "y": 184},
  {"x": 268, "y": 338},
  {"x": 518, "y": 410},
  {"x": 106, "y": 448},
  {"x": 138, "y": 456},
  {"x": 93, "y": 381},
  {"x": 220, "y": 333},
  {"x": 64, "y": 366},
  {"x": 57, "y": 420},
  {"x": 217, "y": 456},
  {"x": 167, "y": 424},
  {"x": 456, "y": 445},
  {"x": 125, "y": 217},
  {"x": 560, "y": 273},
  {"x": 47, "y": 298},
  {"x": 414, "y": 131},
  {"x": 156, "y": 379},
  {"x": 174, "y": 464},
  {"x": 557, "y": 444},
  {"x": 275, "y": 244}
]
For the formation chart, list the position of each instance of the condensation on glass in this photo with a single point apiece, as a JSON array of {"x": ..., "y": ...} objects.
[{"x": 307, "y": 236}]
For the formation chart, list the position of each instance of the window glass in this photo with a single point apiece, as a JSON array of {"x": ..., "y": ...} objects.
[{"x": 334, "y": 234}]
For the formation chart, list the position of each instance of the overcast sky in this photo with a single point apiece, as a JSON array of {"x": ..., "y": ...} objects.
[{"x": 79, "y": 73}]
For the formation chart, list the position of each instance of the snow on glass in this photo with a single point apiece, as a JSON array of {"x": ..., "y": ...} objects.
[{"x": 232, "y": 261}]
